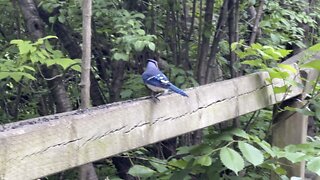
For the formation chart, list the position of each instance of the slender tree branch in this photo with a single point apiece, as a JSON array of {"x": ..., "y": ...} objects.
[
  {"x": 87, "y": 171},
  {"x": 256, "y": 22},
  {"x": 205, "y": 43},
  {"x": 212, "y": 65}
]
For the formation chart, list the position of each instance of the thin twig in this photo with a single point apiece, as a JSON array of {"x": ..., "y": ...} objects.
[{"x": 255, "y": 114}]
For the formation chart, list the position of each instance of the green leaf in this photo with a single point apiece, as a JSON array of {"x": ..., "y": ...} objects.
[
  {"x": 204, "y": 160},
  {"x": 180, "y": 80},
  {"x": 180, "y": 174},
  {"x": 17, "y": 76},
  {"x": 40, "y": 57},
  {"x": 314, "y": 165},
  {"x": 315, "y": 64},
  {"x": 284, "y": 52},
  {"x": 141, "y": 32},
  {"x": 131, "y": 22},
  {"x": 273, "y": 53},
  {"x": 304, "y": 111},
  {"x": 25, "y": 47},
  {"x": 254, "y": 63},
  {"x": 240, "y": 133},
  {"x": 256, "y": 46},
  {"x": 224, "y": 136},
  {"x": 279, "y": 170},
  {"x": 231, "y": 159},
  {"x": 65, "y": 62},
  {"x": 275, "y": 38},
  {"x": 300, "y": 44},
  {"x": 4, "y": 75},
  {"x": 287, "y": 67},
  {"x": 159, "y": 165},
  {"x": 178, "y": 163},
  {"x": 234, "y": 45},
  {"x": 151, "y": 46},
  {"x": 29, "y": 76},
  {"x": 266, "y": 146},
  {"x": 278, "y": 90},
  {"x": 126, "y": 93},
  {"x": 62, "y": 19},
  {"x": 16, "y": 41},
  {"x": 300, "y": 147},
  {"x": 76, "y": 67},
  {"x": 139, "y": 45},
  {"x": 138, "y": 15},
  {"x": 252, "y": 154},
  {"x": 295, "y": 156},
  {"x": 264, "y": 55},
  {"x": 50, "y": 62},
  {"x": 141, "y": 171},
  {"x": 315, "y": 47},
  {"x": 184, "y": 150},
  {"x": 276, "y": 73},
  {"x": 52, "y": 19},
  {"x": 121, "y": 56},
  {"x": 39, "y": 42},
  {"x": 201, "y": 149}
]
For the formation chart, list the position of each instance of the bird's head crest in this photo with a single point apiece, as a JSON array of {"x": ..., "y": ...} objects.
[{"x": 153, "y": 61}]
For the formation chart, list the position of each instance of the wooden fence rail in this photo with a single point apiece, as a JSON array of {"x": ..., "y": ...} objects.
[{"x": 46, "y": 145}]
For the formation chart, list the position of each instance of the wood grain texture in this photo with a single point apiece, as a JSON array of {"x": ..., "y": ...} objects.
[
  {"x": 304, "y": 56},
  {"x": 291, "y": 127},
  {"x": 46, "y": 145}
]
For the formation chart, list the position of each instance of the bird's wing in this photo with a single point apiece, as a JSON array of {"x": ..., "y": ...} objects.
[{"x": 159, "y": 80}]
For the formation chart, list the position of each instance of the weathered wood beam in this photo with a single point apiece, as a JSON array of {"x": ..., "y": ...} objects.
[
  {"x": 304, "y": 56},
  {"x": 46, "y": 145},
  {"x": 291, "y": 127}
]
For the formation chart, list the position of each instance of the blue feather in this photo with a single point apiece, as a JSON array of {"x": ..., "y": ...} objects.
[
  {"x": 177, "y": 90},
  {"x": 157, "y": 81}
]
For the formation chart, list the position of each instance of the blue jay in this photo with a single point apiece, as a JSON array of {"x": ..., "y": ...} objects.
[{"x": 155, "y": 80}]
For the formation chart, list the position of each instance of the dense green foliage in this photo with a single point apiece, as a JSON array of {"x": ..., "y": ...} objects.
[{"x": 195, "y": 42}]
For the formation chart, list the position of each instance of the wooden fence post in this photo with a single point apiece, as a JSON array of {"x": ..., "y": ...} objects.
[{"x": 291, "y": 127}]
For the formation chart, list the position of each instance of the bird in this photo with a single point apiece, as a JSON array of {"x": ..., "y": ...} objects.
[{"x": 155, "y": 80}]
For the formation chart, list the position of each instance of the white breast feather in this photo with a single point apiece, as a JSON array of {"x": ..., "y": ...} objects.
[{"x": 155, "y": 88}]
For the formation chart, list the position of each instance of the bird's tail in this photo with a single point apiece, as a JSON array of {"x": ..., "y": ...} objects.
[{"x": 177, "y": 90}]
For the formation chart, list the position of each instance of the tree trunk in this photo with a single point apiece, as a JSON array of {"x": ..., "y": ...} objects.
[
  {"x": 187, "y": 34},
  {"x": 255, "y": 27},
  {"x": 233, "y": 34},
  {"x": 172, "y": 24},
  {"x": 204, "y": 47},
  {"x": 101, "y": 48},
  {"x": 213, "y": 70},
  {"x": 87, "y": 171},
  {"x": 199, "y": 37},
  {"x": 233, "y": 37},
  {"x": 118, "y": 70},
  {"x": 73, "y": 48},
  {"x": 297, "y": 49},
  {"x": 202, "y": 56},
  {"x": 86, "y": 54},
  {"x": 35, "y": 27}
]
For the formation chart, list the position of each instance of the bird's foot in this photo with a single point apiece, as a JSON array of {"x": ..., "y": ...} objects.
[
  {"x": 157, "y": 95},
  {"x": 155, "y": 98}
]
